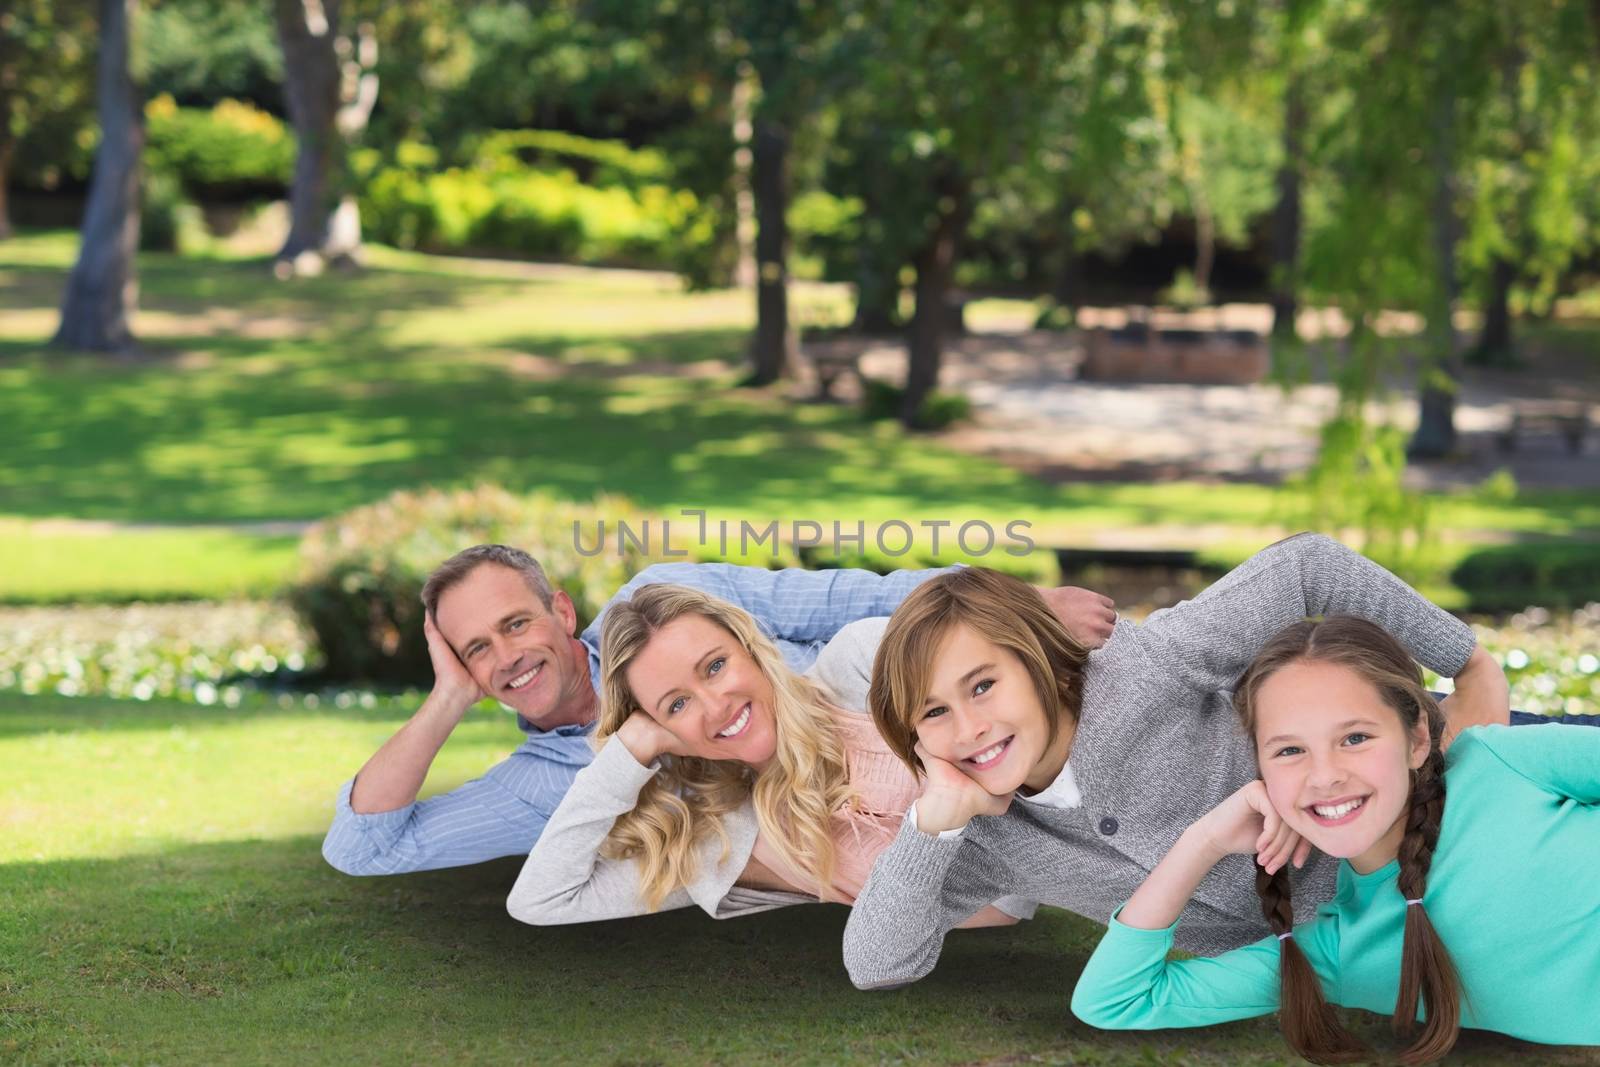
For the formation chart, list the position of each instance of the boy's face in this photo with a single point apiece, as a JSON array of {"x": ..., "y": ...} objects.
[{"x": 983, "y": 713}]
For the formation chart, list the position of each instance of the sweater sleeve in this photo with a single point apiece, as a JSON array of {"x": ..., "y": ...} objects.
[
  {"x": 1130, "y": 984},
  {"x": 565, "y": 879},
  {"x": 1562, "y": 760},
  {"x": 844, "y": 666},
  {"x": 1212, "y": 638},
  {"x": 921, "y": 888}
]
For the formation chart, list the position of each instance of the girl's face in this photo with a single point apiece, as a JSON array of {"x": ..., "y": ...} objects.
[
  {"x": 695, "y": 679},
  {"x": 1337, "y": 760},
  {"x": 984, "y": 715}
]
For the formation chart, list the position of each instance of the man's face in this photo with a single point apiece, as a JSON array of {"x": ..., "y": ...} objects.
[{"x": 516, "y": 650}]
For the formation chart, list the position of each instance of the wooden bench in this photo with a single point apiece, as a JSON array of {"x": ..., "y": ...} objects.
[
  {"x": 1569, "y": 418},
  {"x": 833, "y": 358},
  {"x": 1140, "y": 353}
]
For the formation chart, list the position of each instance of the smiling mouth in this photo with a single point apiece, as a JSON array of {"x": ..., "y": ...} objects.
[
  {"x": 1338, "y": 813},
  {"x": 990, "y": 756},
  {"x": 524, "y": 679},
  {"x": 737, "y": 726}
]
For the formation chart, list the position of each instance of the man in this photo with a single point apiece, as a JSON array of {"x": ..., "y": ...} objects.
[{"x": 496, "y": 628}]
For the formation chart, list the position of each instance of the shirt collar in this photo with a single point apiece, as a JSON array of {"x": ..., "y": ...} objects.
[{"x": 1061, "y": 793}]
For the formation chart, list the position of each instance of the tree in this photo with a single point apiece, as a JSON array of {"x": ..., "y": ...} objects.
[
  {"x": 45, "y": 73},
  {"x": 102, "y": 290},
  {"x": 331, "y": 85}
]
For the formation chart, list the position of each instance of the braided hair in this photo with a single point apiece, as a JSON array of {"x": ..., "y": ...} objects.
[{"x": 1427, "y": 974}]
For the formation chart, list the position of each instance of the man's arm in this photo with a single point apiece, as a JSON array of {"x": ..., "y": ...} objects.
[
  {"x": 392, "y": 777},
  {"x": 501, "y": 814}
]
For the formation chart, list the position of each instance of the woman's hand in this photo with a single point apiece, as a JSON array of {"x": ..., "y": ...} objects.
[
  {"x": 949, "y": 798},
  {"x": 1247, "y": 822},
  {"x": 645, "y": 739}
]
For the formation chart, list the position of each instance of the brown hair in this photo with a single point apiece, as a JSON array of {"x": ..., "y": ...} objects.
[
  {"x": 1309, "y": 1024},
  {"x": 1003, "y": 610},
  {"x": 455, "y": 570}
]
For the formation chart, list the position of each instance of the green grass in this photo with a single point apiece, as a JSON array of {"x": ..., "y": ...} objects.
[
  {"x": 165, "y": 902},
  {"x": 264, "y": 401}
]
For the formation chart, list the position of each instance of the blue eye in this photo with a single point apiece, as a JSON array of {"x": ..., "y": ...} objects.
[
  {"x": 715, "y": 665},
  {"x": 983, "y": 687},
  {"x": 933, "y": 712},
  {"x": 517, "y": 624},
  {"x": 1288, "y": 750},
  {"x": 1357, "y": 738},
  {"x": 676, "y": 706}
]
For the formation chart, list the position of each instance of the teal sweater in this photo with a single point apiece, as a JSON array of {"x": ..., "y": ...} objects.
[{"x": 1514, "y": 892}]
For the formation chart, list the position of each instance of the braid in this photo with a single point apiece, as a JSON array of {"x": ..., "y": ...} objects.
[
  {"x": 1426, "y": 970},
  {"x": 1309, "y": 1023}
]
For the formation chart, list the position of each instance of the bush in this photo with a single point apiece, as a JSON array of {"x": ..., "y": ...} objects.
[
  {"x": 362, "y": 572},
  {"x": 1511, "y": 577},
  {"x": 231, "y": 151},
  {"x": 881, "y": 400},
  {"x": 597, "y": 163}
]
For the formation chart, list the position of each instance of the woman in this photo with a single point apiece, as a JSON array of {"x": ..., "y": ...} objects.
[{"x": 723, "y": 779}]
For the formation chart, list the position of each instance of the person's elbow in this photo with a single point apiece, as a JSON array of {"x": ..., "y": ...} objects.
[
  {"x": 348, "y": 861},
  {"x": 1093, "y": 1007}
]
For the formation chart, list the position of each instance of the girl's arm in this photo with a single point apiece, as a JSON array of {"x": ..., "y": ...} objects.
[
  {"x": 1563, "y": 760},
  {"x": 1130, "y": 984},
  {"x": 565, "y": 879}
]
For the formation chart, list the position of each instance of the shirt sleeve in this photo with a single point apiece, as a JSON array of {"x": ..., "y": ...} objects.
[
  {"x": 844, "y": 666},
  {"x": 920, "y": 889},
  {"x": 499, "y": 814},
  {"x": 1211, "y": 639},
  {"x": 1561, "y": 760},
  {"x": 1130, "y": 984},
  {"x": 791, "y": 604},
  {"x": 566, "y": 879}
]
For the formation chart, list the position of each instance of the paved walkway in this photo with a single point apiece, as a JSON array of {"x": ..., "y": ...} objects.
[{"x": 1032, "y": 412}]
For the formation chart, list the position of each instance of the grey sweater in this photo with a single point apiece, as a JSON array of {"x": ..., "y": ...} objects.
[{"x": 1157, "y": 746}]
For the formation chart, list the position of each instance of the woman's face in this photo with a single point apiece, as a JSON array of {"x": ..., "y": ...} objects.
[
  {"x": 984, "y": 715},
  {"x": 1337, "y": 760},
  {"x": 695, "y": 679}
]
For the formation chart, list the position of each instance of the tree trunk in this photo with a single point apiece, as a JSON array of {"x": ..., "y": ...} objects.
[
  {"x": 773, "y": 350},
  {"x": 1441, "y": 366},
  {"x": 744, "y": 211},
  {"x": 7, "y": 146},
  {"x": 1286, "y": 217},
  {"x": 935, "y": 262},
  {"x": 1494, "y": 347},
  {"x": 1070, "y": 289},
  {"x": 103, "y": 289},
  {"x": 331, "y": 87}
]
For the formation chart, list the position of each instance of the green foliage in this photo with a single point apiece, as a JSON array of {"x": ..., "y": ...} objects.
[
  {"x": 198, "y": 653},
  {"x": 201, "y": 52},
  {"x": 362, "y": 573},
  {"x": 230, "y": 151},
  {"x": 47, "y": 88},
  {"x": 940, "y": 410},
  {"x": 1511, "y": 577},
  {"x": 594, "y": 162}
]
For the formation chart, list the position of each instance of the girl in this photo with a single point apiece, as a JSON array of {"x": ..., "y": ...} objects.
[
  {"x": 1469, "y": 887},
  {"x": 723, "y": 778},
  {"x": 1064, "y": 777}
]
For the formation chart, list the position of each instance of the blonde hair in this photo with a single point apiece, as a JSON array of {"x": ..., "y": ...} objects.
[
  {"x": 795, "y": 796},
  {"x": 1005, "y": 611}
]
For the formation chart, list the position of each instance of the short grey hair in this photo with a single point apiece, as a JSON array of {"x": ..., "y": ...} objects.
[{"x": 454, "y": 570}]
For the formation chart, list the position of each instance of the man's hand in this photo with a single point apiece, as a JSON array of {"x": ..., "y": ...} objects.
[
  {"x": 645, "y": 739},
  {"x": 450, "y": 678},
  {"x": 949, "y": 798},
  {"x": 1088, "y": 616},
  {"x": 1482, "y": 697}
]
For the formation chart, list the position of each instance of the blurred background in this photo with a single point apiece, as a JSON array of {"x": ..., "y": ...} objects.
[{"x": 297, "y": 298}]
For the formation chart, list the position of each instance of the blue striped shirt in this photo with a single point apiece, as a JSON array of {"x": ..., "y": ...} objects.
[{"x": 503, "y": 812}]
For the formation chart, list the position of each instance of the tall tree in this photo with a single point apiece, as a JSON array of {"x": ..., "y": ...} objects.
[
  {"x": 103, "y": 289},
  {"x": 331, "y": 85}
]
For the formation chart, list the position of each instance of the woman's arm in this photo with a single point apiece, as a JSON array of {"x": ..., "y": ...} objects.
[{"x": 565, "y": 879}]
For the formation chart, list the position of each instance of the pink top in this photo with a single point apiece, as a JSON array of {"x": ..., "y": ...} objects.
[{"x": 884, "y": 788}]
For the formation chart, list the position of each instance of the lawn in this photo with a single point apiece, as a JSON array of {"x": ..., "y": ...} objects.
[
  {"x": 166, "y": 903},
  {"x": 281, "y": 403}
]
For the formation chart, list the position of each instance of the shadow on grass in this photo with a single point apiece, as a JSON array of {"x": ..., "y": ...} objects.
[{"x": 256, "y": 951}]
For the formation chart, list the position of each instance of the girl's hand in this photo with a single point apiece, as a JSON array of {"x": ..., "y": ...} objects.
[
  {"x": 645, "y": 739},
  {"x": 1247, "y": 822},
  {"x": 949, "y": 798}
]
